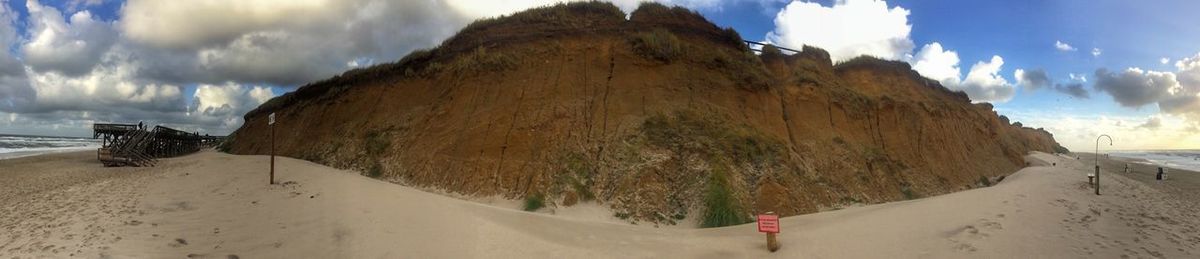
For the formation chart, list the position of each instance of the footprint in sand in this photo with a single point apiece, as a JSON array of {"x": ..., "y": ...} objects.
[
  {"x": 961, "y": 238},
  {"x": 178, "y": 243}
]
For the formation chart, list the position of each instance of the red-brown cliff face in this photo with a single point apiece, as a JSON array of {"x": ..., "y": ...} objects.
[{"x": 659, "y": 116}]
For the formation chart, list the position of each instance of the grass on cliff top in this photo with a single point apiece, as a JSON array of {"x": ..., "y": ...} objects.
[
  {"x": 561, "y": 14},
  {"x": 658, "y": 44}
]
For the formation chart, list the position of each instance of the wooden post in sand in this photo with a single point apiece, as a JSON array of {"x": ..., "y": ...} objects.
[
  {"x": 271, "y": 123},
  {"x": 769, "y": 223}
]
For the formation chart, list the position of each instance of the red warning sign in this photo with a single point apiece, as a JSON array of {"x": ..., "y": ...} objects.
[{"x": 768, "y": 223}]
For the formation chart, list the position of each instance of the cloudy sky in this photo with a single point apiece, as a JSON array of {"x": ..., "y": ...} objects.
[{"x": 1078, "y": 68}]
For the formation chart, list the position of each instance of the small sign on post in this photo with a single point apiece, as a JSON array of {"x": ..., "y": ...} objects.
[
  {"x": 271, "y": 123},
  {"x": 769, "y": 223}
]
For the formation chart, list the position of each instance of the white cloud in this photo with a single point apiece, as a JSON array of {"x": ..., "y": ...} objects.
[
  {"x": 847, "y": 29},
  {"x": 937, "y": 64},
  {"x": 106, "y": 88},
  {"x": 1096, "y": 52},
  {"x": 984, "y": 83},
  {"x": 1153, "y": 123},
  {"x": 851, "y": 28},
  {"x": 1078, "y": 130},
  {"x": 223, "y": 105},
  {"x": 72, "y": 48},
  {"x": 1077, "y": 77},
  {"x": 1063, "y": 46},
  {"x": 1164, "y": 60}
]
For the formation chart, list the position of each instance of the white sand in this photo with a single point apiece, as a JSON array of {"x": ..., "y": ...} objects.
[{"x": 215, "y": 205}]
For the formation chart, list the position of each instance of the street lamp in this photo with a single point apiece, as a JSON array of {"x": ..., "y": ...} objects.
[{"x": 1098, "y": 160}]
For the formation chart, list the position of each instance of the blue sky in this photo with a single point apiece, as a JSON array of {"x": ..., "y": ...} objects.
[
  {"x": 200, "y": 65},
  {"x": 1128, "y": 34}
]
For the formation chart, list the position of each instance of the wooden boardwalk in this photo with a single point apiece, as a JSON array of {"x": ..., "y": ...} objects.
[{"x": 135, "y": 145}]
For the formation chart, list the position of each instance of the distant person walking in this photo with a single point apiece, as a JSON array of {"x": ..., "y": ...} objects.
[{"x": 1160, "y": 175}]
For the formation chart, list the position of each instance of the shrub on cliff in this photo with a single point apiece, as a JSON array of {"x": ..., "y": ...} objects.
[
  {"x": 721, "y": 208},
  {"x": 534, "y": 202},
  {"x": 658, "y": 44},
  {"x": 1061, "y": 149}
]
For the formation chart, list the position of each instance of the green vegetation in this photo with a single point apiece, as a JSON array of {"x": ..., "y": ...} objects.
[
  {"x": 733, "y": 38},
  {"x": 908, "y": 192},
  {"x": 375, "y": 171},
  {"x": 1061, "y": 149},
  {"x": 839, "y": 140},
  {"x": 771, "y": 50},
  {"x": 983, "y": 181},
  {"x": 410, "y": 62},
  {"x": 559, "y": 15},
  {"x": 577, "y": 174},
  {"x": 721, "y": 208},
  {"x": 658, "y": 44},
  {"x": 225, "y": 145},
  {"x": 477, "y": 61},
  {"x": 689, "y": 132},
  {"x": 534, "y": 202},
  {"x": 376, "y": 143},
  {"x": 743, "y": 66},
  {"x": 622, "y": 215}
]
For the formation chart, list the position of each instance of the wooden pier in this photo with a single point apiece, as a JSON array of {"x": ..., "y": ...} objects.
[{"x": 135, "y": 145}]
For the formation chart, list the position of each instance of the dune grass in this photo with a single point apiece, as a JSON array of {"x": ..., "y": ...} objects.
[
  {"x": 721, "y": 208},
  {"x": 658, "y": 44}
]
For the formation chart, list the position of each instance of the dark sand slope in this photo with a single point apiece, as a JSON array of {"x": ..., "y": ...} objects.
[{"x": 213, "y": 205}]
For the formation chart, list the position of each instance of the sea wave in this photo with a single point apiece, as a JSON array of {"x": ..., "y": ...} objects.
[
  {"x": 12, "y": 146},
  {"x": 1181, "y": 159}
]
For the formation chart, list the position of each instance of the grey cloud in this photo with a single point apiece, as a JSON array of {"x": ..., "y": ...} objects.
[
  {"x": 987, "y": 93},
  {"x": 1174, "y": 92},
  {"x": 1133, "y": 87},
  {"x": 278, "y": 50},
  {"x": 1181, "y": 104},
  {"x": 1073, "y": 89},
  {"x": 1033, "y": 79}
]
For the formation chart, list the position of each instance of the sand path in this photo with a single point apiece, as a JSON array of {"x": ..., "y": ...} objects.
[{"x": 213, "y": 205}]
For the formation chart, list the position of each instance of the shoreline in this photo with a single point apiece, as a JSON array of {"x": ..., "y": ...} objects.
[
  {"x": 23, "y": 154},
  {"x": 212, "y": 204}
]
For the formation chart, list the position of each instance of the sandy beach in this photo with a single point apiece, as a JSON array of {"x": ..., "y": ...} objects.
[{"x": 215, "y": 205}]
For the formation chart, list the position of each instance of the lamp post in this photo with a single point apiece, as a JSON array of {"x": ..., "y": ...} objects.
[{"x": 1098, "y": 159}]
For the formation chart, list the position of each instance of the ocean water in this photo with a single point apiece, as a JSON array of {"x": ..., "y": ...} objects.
[
  {"x": 13, "y": 146},
  {"x": 1181, "y": 159}
]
